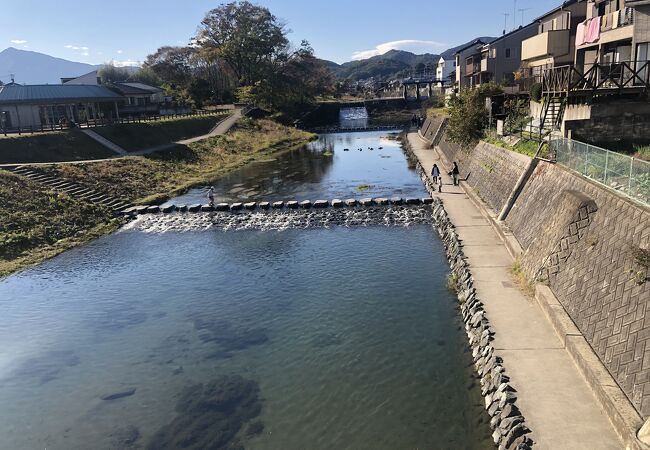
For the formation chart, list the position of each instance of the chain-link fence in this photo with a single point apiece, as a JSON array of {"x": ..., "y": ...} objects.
[{"x": 628, "y": 175}]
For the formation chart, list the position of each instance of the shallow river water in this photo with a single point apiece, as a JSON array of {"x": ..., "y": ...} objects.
[{"x": 318, "y": 338}]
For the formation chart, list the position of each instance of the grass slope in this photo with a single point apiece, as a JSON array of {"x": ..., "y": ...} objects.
[
  {"x": 36, "y": 223},
  {"x": 138, "y": 136},
  {"x": 50, "y": 147},
  {"x": 155, "y": 177}
]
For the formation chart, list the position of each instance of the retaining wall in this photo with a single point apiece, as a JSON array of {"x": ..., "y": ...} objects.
[{"x": 581, "y": 240}]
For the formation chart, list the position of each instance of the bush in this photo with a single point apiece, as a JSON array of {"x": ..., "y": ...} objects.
[
  {"x": 536, "y": 92},
  {"x": 467, "y": 117}
]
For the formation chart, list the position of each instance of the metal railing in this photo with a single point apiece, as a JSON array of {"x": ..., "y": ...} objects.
[
  {"x": 597, "y": 76},
  {"x": 623, "y": 173}
]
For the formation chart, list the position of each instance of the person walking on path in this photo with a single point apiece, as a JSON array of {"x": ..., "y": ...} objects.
[
  {"x": 455, "y": 172},
  {"x": 435, "y": 174},
  {"x": 211, "y": 196}
]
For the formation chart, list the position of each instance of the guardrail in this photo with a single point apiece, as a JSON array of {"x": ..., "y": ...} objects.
[{"x": 630, "y": 176}]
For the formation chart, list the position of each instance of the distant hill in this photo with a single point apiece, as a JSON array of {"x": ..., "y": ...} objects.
[
  {"x": 38, "y": 68},
  {"x": 392, "y": 64}
]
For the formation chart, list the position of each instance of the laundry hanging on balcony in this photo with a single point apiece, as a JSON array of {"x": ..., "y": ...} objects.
[
  {"x": 581, "y": 33},
  {"x": 593, "y": 30}
]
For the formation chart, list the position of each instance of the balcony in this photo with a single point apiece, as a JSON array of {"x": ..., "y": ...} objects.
[{"x": 550, "y": 43}]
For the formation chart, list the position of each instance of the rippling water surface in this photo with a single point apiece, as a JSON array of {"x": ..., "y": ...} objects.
[
  {"x": 322, "y": 170},
  {"x": 170, "y": 333}
]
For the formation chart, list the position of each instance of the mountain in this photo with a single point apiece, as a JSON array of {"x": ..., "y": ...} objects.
[
  {"x": 38, "y": 68},
  {"x": 392, "y": 64}
]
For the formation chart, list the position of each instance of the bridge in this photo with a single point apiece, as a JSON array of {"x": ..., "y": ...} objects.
[{"x": 403, "y": 87}]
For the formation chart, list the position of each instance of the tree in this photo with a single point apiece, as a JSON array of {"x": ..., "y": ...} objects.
[
  {"x": 248, "y": 37},
  {"x": 109, "y": 73},
  {"x": 467, "y": 117},
  {"x": 173, "y": 65}
]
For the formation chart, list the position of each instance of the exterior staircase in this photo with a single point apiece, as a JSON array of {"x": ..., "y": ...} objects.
[
  {"x": 553, "y": 113},
  {"x": 71, "y": 188}
]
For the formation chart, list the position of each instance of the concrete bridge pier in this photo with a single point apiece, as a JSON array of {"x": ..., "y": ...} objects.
[
  {"x": 405, "y": 92},
  {"x": 417, "y": 90},
  {"x": 430, "y": 88}
]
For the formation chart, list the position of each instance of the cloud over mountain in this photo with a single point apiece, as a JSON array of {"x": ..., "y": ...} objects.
[{"x": 411, "y": 45}]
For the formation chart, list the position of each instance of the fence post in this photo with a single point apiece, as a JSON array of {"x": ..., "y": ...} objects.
[
  {"x": 606, "y": 164},
  {"x": 629, "y": 179},
  {"x": 586, "y": 159}
]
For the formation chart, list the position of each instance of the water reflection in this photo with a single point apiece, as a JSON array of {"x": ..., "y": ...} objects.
[{"x": 338, "y": 165}]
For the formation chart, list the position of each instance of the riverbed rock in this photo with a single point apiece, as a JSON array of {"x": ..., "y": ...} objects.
[
  {"x": 293, "y": 204},
  {"x": 250, "y": 205},
  {"x": 321, "y": 204},
  {"x": 278, "y": 205},
  {"x": 305, "y": 204},
  {"x": 427, "y": 201},
  {"x": 207, "y": 208},
  {"x": 194, "y": 208},
  {"x": 337, "y": 203},
  {"x": 142, "y": 209},
  {"x": 167, "y": 209},
  {"x": 118, "y": 394},
  {"x": 131, "y": 210},
  {"x": 413, "y": 201},
  {"x": 351, "y": 202},
  {"x": 222, "y": 207},
  {"x": 181, "y": 208},
  {"x": 366, "y": 202},
  {"x": 237, "y": 206},
  {"x": 210, "y": 415},
  {"x": 264, "y": 205}
]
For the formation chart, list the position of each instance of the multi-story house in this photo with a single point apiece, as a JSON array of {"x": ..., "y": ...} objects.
[
  {"x": 615, "y": 37},
  {"x": 445, "y": 70},
  {"x": 468, "y": 62},
  {"x": 501, "y": 58},
  {"x": 554, "y": 43}
]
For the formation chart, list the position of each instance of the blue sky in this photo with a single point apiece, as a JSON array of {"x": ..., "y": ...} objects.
[{"x": 127, "y": 31}]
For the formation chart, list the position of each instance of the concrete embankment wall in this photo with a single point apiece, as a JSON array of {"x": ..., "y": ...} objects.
[{"x": 581, "y": 240}]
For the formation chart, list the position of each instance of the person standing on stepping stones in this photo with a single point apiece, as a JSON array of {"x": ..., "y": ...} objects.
[{"x": 211, "y": 196}]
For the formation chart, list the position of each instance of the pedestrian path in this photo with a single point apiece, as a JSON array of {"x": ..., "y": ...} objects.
[
  {"x": 105, "y": 142},
  {"x": 558, "y": 404}
]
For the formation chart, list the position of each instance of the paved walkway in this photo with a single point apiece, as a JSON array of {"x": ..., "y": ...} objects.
[
  {"x": 555, "y": 399},
  {"x": 220, "y": 128}
]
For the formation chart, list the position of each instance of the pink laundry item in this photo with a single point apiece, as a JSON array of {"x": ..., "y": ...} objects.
[
  {"x": 593, "y": 30},
  {"x": 581, "y": 31}
]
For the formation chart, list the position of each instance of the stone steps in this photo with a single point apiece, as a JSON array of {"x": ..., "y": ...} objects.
[{"x": 71, "y": 188}]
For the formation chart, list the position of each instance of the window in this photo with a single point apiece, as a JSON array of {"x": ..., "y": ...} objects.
[
  {"x": 493, "y": 52},
  {"x": 507, "y": 53}
]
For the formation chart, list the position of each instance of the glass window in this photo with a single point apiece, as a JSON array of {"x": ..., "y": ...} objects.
[{"x": 507, "y": 53}]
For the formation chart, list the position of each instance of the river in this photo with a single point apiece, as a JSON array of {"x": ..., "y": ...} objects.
[{"x": 319, "y": 338}]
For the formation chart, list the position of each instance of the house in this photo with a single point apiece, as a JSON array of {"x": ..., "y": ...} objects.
[
  {"x": 468, "y": 60},
  {"x": 90, "y": 78},
  {"x": 615, "y": 32},
  {"x": 501, "y": 58},
  {"x": 140, "y": 98},
  {"x": 553, "y": 45},
  {"x": 445, "y": 69},
  {"x": 25, "y": 106}
]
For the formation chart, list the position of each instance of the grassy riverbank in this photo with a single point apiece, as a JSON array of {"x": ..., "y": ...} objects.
[
  {"x": 158, "y": 176},
  {"x": 68, "y": 145},
  {"x": 139, "y": 136},
  {"x": 37, "y": 224}
]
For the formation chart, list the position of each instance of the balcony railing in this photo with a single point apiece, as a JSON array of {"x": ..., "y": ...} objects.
[
  {"x": 597, "y": 77},
  {"x": 549, "y": 43}
]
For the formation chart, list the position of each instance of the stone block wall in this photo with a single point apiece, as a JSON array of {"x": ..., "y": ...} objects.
[
  {"x": 597, "y": 123},
  {"x": 581, "y": 239},
  {"x": 493, "y": 172}
]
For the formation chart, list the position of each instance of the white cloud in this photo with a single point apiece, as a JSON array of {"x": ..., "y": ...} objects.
[
  {"x": 18, "y": 41},
  {"x": 119, "y": 52},
  {"x": 84, "y": 54},
  {"x": 84, "y": 48},
  {"x": 126, "y": 63},
  {"x": 100, "y": 53},
  {"x": 411, "y": 45}
]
